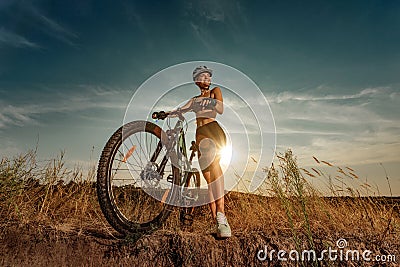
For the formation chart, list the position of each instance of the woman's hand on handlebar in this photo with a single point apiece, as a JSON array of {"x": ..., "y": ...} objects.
[
  {"x": 160, "y": 115},
  {"x": 206, "y": 103}
]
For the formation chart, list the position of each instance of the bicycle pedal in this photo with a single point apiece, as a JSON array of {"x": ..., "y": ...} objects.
[{"x": 170, "y": 178}]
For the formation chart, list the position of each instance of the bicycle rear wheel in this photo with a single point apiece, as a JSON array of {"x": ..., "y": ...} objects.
[{"x": 132, "y": 184}]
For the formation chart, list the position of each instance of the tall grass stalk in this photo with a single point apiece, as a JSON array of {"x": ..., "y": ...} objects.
[{"x": 292, "y": 193}]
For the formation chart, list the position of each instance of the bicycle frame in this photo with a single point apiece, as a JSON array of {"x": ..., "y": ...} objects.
[{"x": 176, "y": 150}]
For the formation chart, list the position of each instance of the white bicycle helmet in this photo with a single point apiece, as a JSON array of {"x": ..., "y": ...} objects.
[{"x": 201, "y": 69}]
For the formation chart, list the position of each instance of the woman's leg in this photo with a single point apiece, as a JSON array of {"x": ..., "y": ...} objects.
[
  {"x": 217, "y": 186},
  {"x": 212, "y": 204},
  {"x": 217, "y": 189},
  {"x": 212, "y": 172},
  {"x": 209, "y": 163},
  {"x": 215, "y": 181}
]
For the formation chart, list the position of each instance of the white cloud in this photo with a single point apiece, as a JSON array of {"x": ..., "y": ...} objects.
[
  {"x": 15, "y": 116},
  {"x": 340, "y": 152},
  {"x": 9, "y": 148},
  {"x": 359, "y": 130},
  {"x": 229, "y": 12},
  {"x": 360, "y": 108},
  {"x": 53, "y": 28},
  {"x": 88, "y": 97},
  {"x": 37, "y": 19},
  {"x": 290, "y": 96},
  {"x": 202, "y": 35},
  {"x": 134, "y": 16},
  {"x": 15, "y": 40},
  {"x": 204, "y": 14}
]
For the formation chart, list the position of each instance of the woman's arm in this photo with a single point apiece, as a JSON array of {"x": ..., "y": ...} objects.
[
  {"x": 219, "y": 107},
  {"x": 214, "y": 102},
  {"x": 186, "y": 106}
]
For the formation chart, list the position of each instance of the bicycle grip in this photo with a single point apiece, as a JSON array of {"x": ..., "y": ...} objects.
[{"x": 159, "y": 115}]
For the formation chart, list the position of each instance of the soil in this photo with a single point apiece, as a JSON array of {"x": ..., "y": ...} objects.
[{"x": 39, "y": 245}]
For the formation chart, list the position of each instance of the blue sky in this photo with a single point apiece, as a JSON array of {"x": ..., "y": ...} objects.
[{"x": 328, "y": 69}]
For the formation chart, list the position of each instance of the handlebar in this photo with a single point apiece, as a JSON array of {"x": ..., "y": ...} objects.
[
  {"x": 163, "y": 115},
  {"x": 160, "y": 115},
  {"x": 194, "y": 107}
]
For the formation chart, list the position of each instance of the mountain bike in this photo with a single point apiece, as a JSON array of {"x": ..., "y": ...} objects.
[{"x": 144, "y": 172}]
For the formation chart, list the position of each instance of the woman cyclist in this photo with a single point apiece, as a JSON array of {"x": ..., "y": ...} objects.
[{"x": 210, "y": 139}]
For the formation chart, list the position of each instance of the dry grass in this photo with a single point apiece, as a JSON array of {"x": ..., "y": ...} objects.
[
  {"x": 30, "y": 193},
  {"x": 292, "y": 205},
  {"x": 286, "y": 207}
]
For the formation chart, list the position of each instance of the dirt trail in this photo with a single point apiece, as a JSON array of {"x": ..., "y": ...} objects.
[{"x": 38, "y": 245}]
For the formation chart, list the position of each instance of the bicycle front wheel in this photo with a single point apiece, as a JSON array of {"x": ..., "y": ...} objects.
[{"x": 135, "y": 178}]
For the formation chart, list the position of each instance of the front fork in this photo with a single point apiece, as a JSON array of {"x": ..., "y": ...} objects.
[{"x": 179, "y": 159}]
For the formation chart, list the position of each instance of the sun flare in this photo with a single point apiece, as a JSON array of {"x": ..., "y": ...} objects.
[{"x": 226, "y": 155}]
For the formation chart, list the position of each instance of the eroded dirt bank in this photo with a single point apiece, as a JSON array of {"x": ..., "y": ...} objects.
[{"x": 38, "y": 245}]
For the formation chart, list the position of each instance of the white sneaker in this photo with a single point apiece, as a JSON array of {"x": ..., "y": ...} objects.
[{"x": 223, "y": 228}]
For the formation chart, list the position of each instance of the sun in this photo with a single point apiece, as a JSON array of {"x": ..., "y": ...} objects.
[{"x": 226, "y": 155}]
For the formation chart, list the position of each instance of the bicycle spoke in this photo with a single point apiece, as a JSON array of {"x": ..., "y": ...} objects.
[
  {"x": 127, "y": 148},
  {"x": 124, "y": 179},
  {"x": 131, "y": 164},
  {"x": 126, "y": 169},
  {"x": 130, "y": 140},
  {"x": 151, "y": 142},
  {"x": 135, "y": 177},
  {"x": 146, "y": 142},
  {"x": 141, "y": 148}
]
